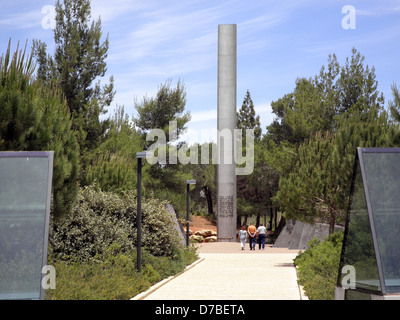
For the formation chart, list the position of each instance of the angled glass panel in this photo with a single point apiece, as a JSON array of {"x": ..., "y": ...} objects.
[
  {"x": 382, "y": 170},
  {"x": 358, "y": 249},
  {"x": 25, "y": 184}
]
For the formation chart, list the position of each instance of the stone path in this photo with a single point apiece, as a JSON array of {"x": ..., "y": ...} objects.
[{"x": 227, "y": 273}]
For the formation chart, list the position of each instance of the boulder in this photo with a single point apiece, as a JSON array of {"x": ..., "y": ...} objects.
[
  {"x": 211, "y": 239},
  {"x": 196, "y": 238},
  {"x": 204, "y": 233}
]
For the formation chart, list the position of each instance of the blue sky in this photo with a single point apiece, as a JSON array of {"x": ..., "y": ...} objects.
[{"x": 152, "y": 41}]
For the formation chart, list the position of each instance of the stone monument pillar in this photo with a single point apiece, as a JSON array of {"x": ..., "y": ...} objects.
[{"x": 226, "y": 176}]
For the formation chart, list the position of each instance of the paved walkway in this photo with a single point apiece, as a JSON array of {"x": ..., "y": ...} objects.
[{"x": 227, "y": 273}]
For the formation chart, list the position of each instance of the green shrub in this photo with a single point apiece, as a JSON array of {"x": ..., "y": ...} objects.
[
  {"x": 100, "y": 219},
  {"x": 94, "y": 249},
  {"x": 318, "y": 267}
]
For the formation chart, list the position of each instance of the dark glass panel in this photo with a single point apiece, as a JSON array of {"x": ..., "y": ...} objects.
[
  {"x": 383, "y": 181},
  {"x": 359, "y": 250}
]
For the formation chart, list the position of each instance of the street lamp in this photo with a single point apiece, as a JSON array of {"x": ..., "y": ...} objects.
[
  {"x": 188, "y": 183},
  {"x": 140, "y": 156}
]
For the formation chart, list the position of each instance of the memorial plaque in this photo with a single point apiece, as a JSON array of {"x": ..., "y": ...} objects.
[{"x": 226, "y": 206}]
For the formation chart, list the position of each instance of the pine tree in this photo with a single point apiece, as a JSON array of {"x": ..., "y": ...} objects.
[
  {"x": 247, "y": 119},
  {"x": 18, "y": 112},
  {"x": 394, "y": 107},
  {"x": 168, "y": 105},
  {"x": 113, "y": 163},
  {"x": 78, "y": 61},
  {"x": 250, "y": 192},
  {"x": 318, "y": 103},
  {"x": 317, "y": 189},
  {"x": 34, "y": 117},
  {"x": 306, "y": 192},
  {"x": 357, "y": 87}
]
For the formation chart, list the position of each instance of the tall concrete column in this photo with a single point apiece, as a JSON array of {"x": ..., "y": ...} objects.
[{"x": 226, "y": 176}]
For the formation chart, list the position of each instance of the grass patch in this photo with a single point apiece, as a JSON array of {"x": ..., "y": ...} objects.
[{"x": 115, "y": 277}]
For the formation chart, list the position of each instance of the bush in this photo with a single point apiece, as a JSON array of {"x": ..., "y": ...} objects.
[
  {"x": 318, "y": 267},
  {"x": 93, "y": 249},
  {"x": 100, "y": 219}
]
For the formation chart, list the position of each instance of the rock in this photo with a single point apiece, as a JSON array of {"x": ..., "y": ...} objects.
[
  {"x": 197, "y": 238},
  {"x": 213, "y": 233},
  {"x": 204, "y": 233},
  {"x": 211, "y": 239}
]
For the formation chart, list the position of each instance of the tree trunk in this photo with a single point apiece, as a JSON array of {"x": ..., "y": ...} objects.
[
  {"x": 258, "y": 220},
  {"x": 332, "y": 214},
  {"x": 271, "y": 216},
  {"x": 209, "y": 200},
  {"x": 238, "y": 221},
  {"x": 282, "y": 223},
  {"x": 332, "y": 221}
]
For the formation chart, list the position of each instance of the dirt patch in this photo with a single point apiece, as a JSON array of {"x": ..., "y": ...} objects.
[{"x": 201, "y": 223}]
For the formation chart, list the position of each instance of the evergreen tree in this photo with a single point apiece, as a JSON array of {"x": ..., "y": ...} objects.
[
  {"x": 18, "y": 111},
  {"x": 247, "y": 119},
  {"x": 34, "y": 117},
  {"x": 357, "y": 87},
  {"x": 168, "y": 105},
  {"x": 167, "y": 181},
  {"x": 394, "y": 107},
  {"x": 78, "y": 61},
  {"x": 254, "y": 191},
  {"x": 318, "y": 103},
  {"x": 317, "y": 189},
  {"x": 308, "y": 193},
  {"x": 323, "y": 122},
  {"x": 204, "y": 174},
  {"x": 113, "y": 163}
]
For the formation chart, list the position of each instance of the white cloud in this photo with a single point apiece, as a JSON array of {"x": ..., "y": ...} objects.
[
  {"x": 166, "y": 34},
  {"x": 379, "y": 10},
  {"x": 264, "y": 110},
  {"x": 24, "y": 20},
  {"x": 207, "y": 115},
  {"x": 112, "y": 10}
]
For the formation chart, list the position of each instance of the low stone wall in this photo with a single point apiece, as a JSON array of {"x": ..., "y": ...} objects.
[{"x": 297, "y": 234}]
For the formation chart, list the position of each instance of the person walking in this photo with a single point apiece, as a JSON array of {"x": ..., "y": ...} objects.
[
  {"x": 243, "y": 237},
  {"x": 252, "y": 231},
  {"x": 261, "y": 236}
]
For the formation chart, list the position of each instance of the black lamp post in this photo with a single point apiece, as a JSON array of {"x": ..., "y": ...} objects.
[
  {"x": 140, "y": 156},
  {"x": 188, "y": 183}
]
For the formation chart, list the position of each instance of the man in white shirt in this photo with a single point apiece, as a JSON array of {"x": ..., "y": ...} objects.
[{"x": 261, "y": 231}]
